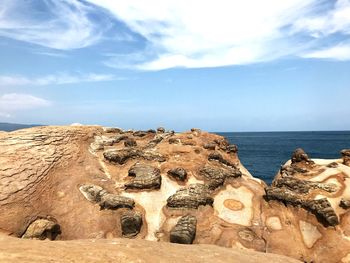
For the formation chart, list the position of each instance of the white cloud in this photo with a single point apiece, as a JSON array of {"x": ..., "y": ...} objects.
[
  {"x": 338, "y": 52},
  {"x": 57, "y": 79},
  {"x": 224, "y": 32},
  {"x": 63, "y": 24},
  {"x": 13, "y": 102}
]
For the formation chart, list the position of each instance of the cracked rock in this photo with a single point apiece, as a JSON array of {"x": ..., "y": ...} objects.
[
  {"x": 42, "y": 229},
  {"x": 190, "y": 197},
  {"x": 217, "y": 176},
  {"x": 178, "y": 173},
  {"x": 131, "y": 223},
  {"x": 184, "y": 232},
  {"x": 145, "y": 177},
  {"x": 123, "y": 155}
]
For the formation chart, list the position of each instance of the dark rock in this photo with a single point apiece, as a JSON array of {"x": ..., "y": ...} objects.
[
  {"x": 140, "y": 133},
  {"x": 112, "y": 130},
  {"x": 217, "y": 176},
  {"x": 184, "y": 232},
  {"x": 323, "y": 210},
  {"x": 232, "y": 148},
  {"x": 160, "y": 130},
  {"x": 130, "y": 143},
  {"x": 332, "y": 165},
  {"x": 113, "y": 201},
  {"x": 300, "y": 156},
  {"x": 151, "y": 131},
  {"x": 209, "y": 146},
  {"x": 146, "y": 177},
  {"x": 42, "y": 229},
  {"x": 222, "y": 143},
  {"x": 321, "y": 207},
  {"x": 174, "y": 141},
  {"x": 190, "y": 197},
  {"x": 131, "y": 223},
  {"x": 344, "y": 203},
  {"x": 290, "y": 170},
  {"x": 178, "y": 173},
  {"x": 216, "y": 156},
  {"x": 346, "y": 156},
  {"x": 123, "y": 155}
]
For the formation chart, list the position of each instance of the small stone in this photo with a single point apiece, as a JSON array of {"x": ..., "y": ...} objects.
[
  {"x": 145, "y": 177},
  {"x": 184, "y": 232},
  {"x": 42, "y": 229},
  {"x": 178, "y": 173},
  {"x": 130, "y": 143},
  {"x": 131, "y": 223}
]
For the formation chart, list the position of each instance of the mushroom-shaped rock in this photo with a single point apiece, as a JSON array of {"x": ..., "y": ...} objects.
[
  {"x": 190, "y": 197},
  {"x": 178, "y": 173},
  {"x": 113, "y": 201},
  {"x": 121, "y": 156},
  {"x": 130, "y": 143},
  {"x": 93, "y": 193},
  {"x": 299, "y": 155},
  {"x": 346, "y": 156},
  {"x": 216, "y": 156},
  {"x": 217, "y": 176},
  {"x": 145, "y": 177},
  {"x": 210, "y": 146},
  {"x": 131, "y": 223},
  {"x": 42, "y": 229},
  {"x": 184, "y": 232},
  {"x": 160, "y": 130}
]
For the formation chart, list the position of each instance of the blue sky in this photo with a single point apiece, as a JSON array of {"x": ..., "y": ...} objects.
[{"x": 218, "y": 65}]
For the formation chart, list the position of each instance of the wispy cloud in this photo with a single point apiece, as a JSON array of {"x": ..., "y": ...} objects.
[
  {"x": 218, "y": 33},
  {"x": 63, "y": 24},
  {"x": 13, "y": 102},
  {"x": 337, "y": 52},
  {"x": 56, "y": 79}
]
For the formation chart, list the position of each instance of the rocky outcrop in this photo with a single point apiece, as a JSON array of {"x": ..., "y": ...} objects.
[
  {"x": 178, "y": 173},
  {"x": 42, "y": 229},
  {"x": 184, "y": 232},
  {"x": 145, "y": 177},
  {"x": 346, "y": 156},
  {"x": 131, "y": 223},
  {"x": 100, "y": 183},
  {"x": 191, "y": 197}
]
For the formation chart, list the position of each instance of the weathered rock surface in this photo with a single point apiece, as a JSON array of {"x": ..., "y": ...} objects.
[
  {"x": 178, "y": 173},
  {"x": 93, "y": 185},
  {"x": 184, "y": 232},
  {"x": 125, "y": 251},
  {"x": 145, "y": 177},
  {"x": 346, "y": 156}
]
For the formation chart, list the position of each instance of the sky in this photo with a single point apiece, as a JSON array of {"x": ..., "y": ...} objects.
[{"x": 223, "y": 65}]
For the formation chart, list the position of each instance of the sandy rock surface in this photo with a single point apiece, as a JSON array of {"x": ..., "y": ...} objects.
[{"x": 90, "y": 182}]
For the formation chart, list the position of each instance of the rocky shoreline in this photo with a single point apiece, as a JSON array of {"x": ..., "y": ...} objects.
[{"x": 81, "y": 184}]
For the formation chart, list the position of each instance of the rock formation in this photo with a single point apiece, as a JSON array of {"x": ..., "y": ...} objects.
[{"x": 95, "y": 183}]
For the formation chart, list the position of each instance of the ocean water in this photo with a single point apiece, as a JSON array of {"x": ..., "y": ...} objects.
[{"x": 262, "y": 153}]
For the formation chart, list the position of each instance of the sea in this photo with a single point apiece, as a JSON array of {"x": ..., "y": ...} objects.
[{"x": 262, "y": 153}]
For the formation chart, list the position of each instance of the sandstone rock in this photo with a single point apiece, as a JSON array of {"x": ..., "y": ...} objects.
[
  {"x": 210, "y": 146},
  {"x": 178, "y": 173},
  {"x": 232, "y": 148},
  {"x": 300, "y": 156},
  {"x": 346, "y": 156},
  {"x": 160, "y": 130},
  {"x": 174, "y": 141},
  {"x": 123, "y": 155},
  {"x": 130, "y": 143},
  {"x": 344, "y": 203},
  {"x": 190, "y": 197},
  {"x": 140, "y": 133},
  {"x": 42, "y": 229},
  {"x": 216, "y": 156},
  {"x": 131, "y": 223},
  {"x": 146, "y": 177},
  {"x": 184, "y": 232},
  {"x": 113, "y": 201},
  {"x": 217, "y": 176},
  {"x": 112, "y": 130},
  {"x": 93, "y": 193}
]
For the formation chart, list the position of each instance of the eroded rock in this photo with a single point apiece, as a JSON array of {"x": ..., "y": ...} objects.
[
  {"x": 42, "y": 229},
  {"x": 131, "y": 223},
  {"x": 346, "y": 156},
  {"x": 184, "y": 232},
  {"x": 190, "y": 197},
  {"x": 178, "y": 173},
  {"x": 299, "y": 155},
  {"x": 145, "y": 177},
  {"x": 121, "y": 156},
  {"x": 130, "y": 143},
  {"x": 216, "y": 156},
  {"x": 344, "y": 203},
  {"x": 217, "y": 176}
]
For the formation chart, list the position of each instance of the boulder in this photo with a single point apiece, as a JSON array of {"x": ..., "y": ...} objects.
[
  {"x": 178, "y": 173},
  {"x": 145, "y": 177},
  {"x": 131, "y": 223},
  {"x": 184, "y": 232}
]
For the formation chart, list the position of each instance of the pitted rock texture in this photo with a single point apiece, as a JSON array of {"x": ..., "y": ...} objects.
[
  {"x": 300, "y": 156},
  {"x": 184, "y": 232},
  {"x": 97, "y": 194},
  {"x": 346, "y": 156},
  {"x": 191, "y": 197},
  {"x": 178, "y": 173},
  {"x": 145, "y": 177},
  {"x": 42, "y": 229},
  {"x": 131, "y": 223},
  {"x": 76, "y": 176}
]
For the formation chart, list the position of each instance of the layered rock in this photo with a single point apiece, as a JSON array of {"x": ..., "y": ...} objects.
[{"x": 190, "y": 187}]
